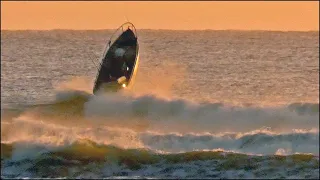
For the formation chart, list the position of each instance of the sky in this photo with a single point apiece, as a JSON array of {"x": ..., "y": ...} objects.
[{"x": 187, "y": 15}]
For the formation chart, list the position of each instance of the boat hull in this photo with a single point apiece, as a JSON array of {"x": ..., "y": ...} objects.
[{"x": 119, "y": 63}]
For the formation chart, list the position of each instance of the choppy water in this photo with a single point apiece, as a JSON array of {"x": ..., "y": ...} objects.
[{"x": 207, "y": 104}]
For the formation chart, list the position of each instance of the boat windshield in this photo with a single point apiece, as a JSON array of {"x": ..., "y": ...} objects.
[
  {"x": 117, "y": 33},
  {"x": 120, "y": 30}
]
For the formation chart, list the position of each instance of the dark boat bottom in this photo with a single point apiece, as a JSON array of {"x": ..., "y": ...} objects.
[{"x": 118, "y": 65}]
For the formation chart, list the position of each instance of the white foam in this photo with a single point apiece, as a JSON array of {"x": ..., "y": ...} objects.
[{"x": 166, "y": 115}]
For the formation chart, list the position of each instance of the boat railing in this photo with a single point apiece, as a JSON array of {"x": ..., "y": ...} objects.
[{"x": 112, "y": 39}]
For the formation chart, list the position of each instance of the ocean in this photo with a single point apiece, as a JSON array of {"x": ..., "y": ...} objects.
[{"x": 205, "y": 104}]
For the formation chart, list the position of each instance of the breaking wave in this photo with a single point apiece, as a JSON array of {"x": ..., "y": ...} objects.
[
  {"x": 87, "y": 159},
  {"x": 81, "y": 135}
]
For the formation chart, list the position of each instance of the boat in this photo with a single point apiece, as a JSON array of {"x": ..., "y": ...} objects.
[{"x": 119, "y": 63}]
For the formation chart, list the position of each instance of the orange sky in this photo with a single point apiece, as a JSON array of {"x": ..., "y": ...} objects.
[{"x": 272, "y": 15}]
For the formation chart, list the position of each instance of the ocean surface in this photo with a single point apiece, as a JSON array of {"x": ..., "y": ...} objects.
[{"x": 205, "y": 104}]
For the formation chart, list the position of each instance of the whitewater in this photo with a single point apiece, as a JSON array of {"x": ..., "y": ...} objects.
[{"x": 201, "y": 111}]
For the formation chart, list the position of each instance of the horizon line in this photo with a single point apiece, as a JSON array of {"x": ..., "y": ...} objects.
[{"x": 143, "y": 29}]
